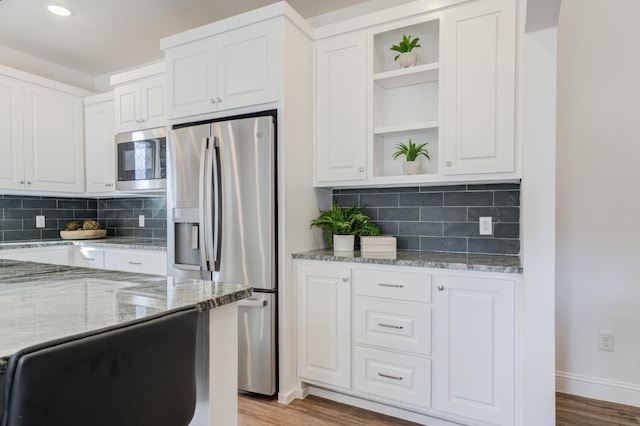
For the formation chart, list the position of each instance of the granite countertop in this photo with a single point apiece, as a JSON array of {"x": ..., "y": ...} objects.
[
  {"x": 427, "y": 259},
  {"x": 108, "y": 242},
  {"x": 41, "y": 302}
]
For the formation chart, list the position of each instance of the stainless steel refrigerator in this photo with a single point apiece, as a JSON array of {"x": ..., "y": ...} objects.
[{"x": 221, "y": 206}]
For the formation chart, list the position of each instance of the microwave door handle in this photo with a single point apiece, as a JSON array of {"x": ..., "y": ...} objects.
[
  {"x": 202, "y": 190},
  {"x": 217, "y": 232}
]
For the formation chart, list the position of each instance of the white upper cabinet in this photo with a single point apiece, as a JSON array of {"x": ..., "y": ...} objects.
[
  {"x": 100, "y": 147},
  {"x": 11, "y": 160},
  {"x": 478, "y": 78},
  {"x": 341, "y": 108},
  {"x": 458, "y": 98},
  {"x": 53, "y": 144},
  {"x": 230, "y": 70},
  {"x": 140, "y": 104}
]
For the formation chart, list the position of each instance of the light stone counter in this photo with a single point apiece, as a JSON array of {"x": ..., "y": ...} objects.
[
  {"x": 425, "y": 259},
  {"x": 42, "y": 302},
  {"x": 109, "y": 242}
]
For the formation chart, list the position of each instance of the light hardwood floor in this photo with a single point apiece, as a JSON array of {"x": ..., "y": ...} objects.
[{"x": 313, "y": 411}]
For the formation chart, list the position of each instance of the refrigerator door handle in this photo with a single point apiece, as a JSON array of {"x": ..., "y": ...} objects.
[
  {"x": 217, "y": 231},
  {"x": 204, "y": 197}
]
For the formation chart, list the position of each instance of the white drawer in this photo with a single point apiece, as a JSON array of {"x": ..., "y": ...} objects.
[
  {"x": 389, "y": 284},
  {"x": 397, "y": 326},
  {"x": 146, "y": 262},
  {"x": 392, "y": 377},
  {"x": 88, "y": 257}
]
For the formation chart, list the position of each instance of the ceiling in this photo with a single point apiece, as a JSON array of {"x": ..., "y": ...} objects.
[{"x": 108, "y": 36}]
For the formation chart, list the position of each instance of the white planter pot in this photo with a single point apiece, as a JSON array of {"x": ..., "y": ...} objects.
[
  {"x": 410, "y": 167},
  {"x": 407, "y": 59},
  {"x": 343, "y": 242}
]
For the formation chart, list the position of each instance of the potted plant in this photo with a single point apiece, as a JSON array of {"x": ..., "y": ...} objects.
[
  {"x": 341, "y": 225},
  {"x": 406, "y": 57},
  {"x": 411, "y": 153}
]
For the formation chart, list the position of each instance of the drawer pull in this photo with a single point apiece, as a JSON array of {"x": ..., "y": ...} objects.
[
  {"x": 391, "y": 285},
  {"x": 91, "y": 259},
  {"x": 397, "y": 327},
  {"x": 389, "y": 376},
  {"x": 134, "y": 263}
]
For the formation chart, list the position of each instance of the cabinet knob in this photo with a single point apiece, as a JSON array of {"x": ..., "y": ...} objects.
[
  {"x": 440, "y": 287},
  {"x": 212, "y": 101},
  {"x": 21, "y": 182},
  {"x": 447, "y": 163},
  {"x": 142, "y": 120},
  {"x": 218, "y": 100},
  {"x": 345, "y": 279},
  {"x": 28, "y": 182},
  {"x": 361, "y": 169}
]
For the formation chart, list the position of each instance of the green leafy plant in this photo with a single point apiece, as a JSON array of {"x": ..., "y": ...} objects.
[
  {"x": 344, "y": 221},
  {"x": 411, "y": 151},
  {"x": 406, "y": 45}
]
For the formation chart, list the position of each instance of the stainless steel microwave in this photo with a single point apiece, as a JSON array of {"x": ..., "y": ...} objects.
[{"x": 141, "y": 160}]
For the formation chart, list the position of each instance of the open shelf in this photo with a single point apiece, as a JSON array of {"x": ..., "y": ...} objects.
[
  {"x": 408, "y": 76},
  {"x": 401, "y": 129}
]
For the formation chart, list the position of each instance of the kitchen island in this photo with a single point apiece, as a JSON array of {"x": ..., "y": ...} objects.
[{"x": 42, "y": 302}]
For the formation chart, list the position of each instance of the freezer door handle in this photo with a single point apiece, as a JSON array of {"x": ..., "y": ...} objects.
[
  {"x": 187, "y": 267},
  {"x": 253, "y": 303}
]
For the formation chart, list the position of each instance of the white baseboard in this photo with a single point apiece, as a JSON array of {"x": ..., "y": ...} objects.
[
  {"x": 597, "y": 388},
  {"x": 286, "y": 398}
]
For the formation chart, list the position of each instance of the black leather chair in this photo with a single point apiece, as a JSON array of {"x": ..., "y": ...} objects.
[{"x": 138, "y": 374}]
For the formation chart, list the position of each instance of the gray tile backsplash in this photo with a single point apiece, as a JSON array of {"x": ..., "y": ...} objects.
[
  {"x": 118, "y": 215},
  {"x": 443, "y": 218}
]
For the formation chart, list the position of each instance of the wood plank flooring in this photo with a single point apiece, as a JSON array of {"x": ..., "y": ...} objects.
[
  {"x": 314, "y": 411},
  {"x": 577, "y": 411}
]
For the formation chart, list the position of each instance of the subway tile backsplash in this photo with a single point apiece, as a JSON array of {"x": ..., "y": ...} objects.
[
  {"x": 443, "y": 218},
  {"x": 118, "y": 215}
]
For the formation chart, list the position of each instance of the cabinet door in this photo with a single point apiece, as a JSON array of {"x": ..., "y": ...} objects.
[
  {"x": 53, "y": 143},
  {"x": 474, "y": 375},
  {"x": 246, "y": 63},
  {"x": 127, "y": 107},
  {"x": 152, "y": 102},
  {"x": 324, "y": 326},
  {"x": 478, "y": 80},
  {"x": 100, "y": 147},
  {"x": 11, "y": 160},
  {"x": 341, "y": 108},
  {"x": 191, "y": 79}
]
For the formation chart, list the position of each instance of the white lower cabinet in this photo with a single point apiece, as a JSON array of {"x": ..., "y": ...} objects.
[
  {"x": 476, "y": 341},
  {"x": 324, "y": 330},
  {"x": 436, "y": 342},
  {"x": 143, "y": 261},
  {"x": 59, "y": 255},
  {"x": 88, "y": 257}
]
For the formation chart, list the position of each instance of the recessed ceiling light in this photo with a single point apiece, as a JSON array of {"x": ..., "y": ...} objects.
[{"x": 58, "y": 9}]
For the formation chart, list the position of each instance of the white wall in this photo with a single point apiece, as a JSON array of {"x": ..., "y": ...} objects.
[{"x": 598, "y": 198}]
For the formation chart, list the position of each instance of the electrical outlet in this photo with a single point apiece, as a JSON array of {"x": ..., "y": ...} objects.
[
  {"x": 486, "y": 228},
  {"x": 141, "y": 221},
  {"x": 39, "y": 221},
  {"x": 607, "y": 341}
]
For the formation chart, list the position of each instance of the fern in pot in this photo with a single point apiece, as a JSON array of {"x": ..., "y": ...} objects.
[
  {"x": 411, "y": 152},
  {"x": 342, "y": 225}
]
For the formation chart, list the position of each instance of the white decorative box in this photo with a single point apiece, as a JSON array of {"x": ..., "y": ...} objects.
[{"x": 378, "y": 244}]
